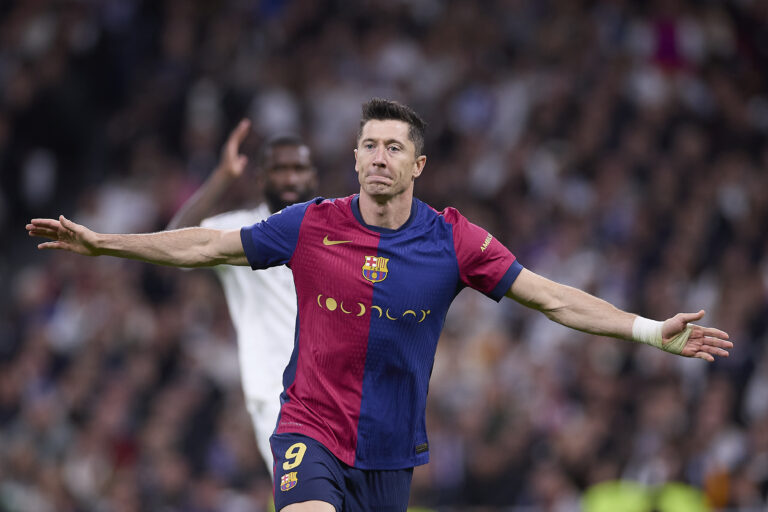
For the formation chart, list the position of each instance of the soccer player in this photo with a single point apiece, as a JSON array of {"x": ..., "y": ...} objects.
[
  {"x": 375, "y": 274},
  {"x": 262, "y": 305}
]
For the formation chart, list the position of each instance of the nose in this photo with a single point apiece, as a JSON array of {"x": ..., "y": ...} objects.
[
  {"x": 292, "y": 177},
  {"x": 379, "y": 156}
]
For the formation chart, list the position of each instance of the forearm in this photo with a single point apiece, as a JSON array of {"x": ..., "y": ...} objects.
[
  {"x": 584, "y": 312},
  {"x": 579, "y": 310},
  {"x": 570, "y": 306},
  {"x": 191, "y": 247},
  {"x": 202, "y": 203}
]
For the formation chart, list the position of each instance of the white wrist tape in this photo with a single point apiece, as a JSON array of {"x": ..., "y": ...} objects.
[
  {"x": 645, "y": 330},
  {"x": 648, "y": 331}
]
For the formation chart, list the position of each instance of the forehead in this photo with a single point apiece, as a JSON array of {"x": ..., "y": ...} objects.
[
  {"x": 388, "y": 129},
  {"x": 287, "y": 153}
]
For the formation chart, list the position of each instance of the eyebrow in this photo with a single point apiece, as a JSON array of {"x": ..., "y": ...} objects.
[{"x": 386, "y": 142}]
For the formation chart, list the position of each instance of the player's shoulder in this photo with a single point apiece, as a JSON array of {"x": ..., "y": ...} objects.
[
  {"x": 449, "y": 214},
  {"x": 330, "y": 206},
  {"x": 298, "y": 208},
  {"x": 449, "y": 221},
  {"x": 333, "y": 203},
  {"x": 319, "y": 209}
]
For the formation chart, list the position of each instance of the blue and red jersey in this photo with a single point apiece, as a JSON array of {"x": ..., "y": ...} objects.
[{"x": 371, "y": 305}]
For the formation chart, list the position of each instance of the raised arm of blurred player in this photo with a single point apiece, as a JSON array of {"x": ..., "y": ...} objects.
[
  {"x": 579, "y": 310},
  {"x": 189, "y": 247},
  {"x": 231, "y": 167}
]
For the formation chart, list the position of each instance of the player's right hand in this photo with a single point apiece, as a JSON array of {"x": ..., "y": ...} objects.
[
  {"x": 233, "y": 162},
  {"x": 65, "y": 235}
]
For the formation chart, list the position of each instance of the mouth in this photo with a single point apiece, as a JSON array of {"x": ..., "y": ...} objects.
[
  {"x": 377, "y": 178},
  {"x": 288, "y": 193}
]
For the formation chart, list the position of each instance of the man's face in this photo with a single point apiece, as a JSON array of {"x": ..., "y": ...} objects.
[
  {"x": 289, "y": 176},
  {"x": 385, "y": 159}
]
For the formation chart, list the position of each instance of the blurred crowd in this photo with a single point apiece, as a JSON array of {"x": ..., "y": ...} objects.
[{"x": 614, "y": 145}]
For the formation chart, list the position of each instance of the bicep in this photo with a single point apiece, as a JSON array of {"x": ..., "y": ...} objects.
[{"x": 535, "y": 291}]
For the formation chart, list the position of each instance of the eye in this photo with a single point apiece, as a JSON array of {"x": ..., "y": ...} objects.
[
  {"x": 394, "y": 149},
  {"x": 368, "y": 145}
]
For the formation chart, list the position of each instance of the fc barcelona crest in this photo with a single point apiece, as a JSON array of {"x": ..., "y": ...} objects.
[
  {"x": 288, "y": 481},
  {"x": 375, "y": 268}
]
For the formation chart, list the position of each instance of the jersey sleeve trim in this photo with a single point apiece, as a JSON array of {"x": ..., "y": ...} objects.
[
  {"x": 506, "y": 281},
  {"x": 249, "y": 248}
]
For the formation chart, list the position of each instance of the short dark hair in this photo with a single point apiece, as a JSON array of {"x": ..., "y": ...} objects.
[
  {"x": 280, "y": 140},
  {"x": 383, "y": 110}
]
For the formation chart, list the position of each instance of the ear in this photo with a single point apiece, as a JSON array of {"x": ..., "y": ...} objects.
[{"x": 421, "y": 161}]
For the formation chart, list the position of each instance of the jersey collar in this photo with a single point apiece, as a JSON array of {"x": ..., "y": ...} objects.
[{"x": 356, "y": 212}]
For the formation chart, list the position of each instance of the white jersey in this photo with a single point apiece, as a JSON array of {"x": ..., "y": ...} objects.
[{"x": 262, "y": 305}]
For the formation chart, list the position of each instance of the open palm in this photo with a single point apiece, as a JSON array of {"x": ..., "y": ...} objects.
[{"x": 703, "y": 342}]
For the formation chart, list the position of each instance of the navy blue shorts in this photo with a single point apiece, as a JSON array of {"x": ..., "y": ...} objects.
[{"x": 305, "y": 470}]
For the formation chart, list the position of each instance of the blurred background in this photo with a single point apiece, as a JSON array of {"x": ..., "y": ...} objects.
[{"x": 614, "y": 145}]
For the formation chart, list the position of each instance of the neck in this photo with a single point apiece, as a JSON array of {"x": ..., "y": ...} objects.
[{"x": 390, "y": 213}]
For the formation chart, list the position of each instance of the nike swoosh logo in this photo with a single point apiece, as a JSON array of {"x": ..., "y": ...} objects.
[{"x": 334, "y": 242}]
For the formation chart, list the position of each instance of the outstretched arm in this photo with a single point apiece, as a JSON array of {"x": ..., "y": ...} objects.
[
  {"x": 579, "y": 310},
  {"x": 191, "y": 247},
  {"x": 231, "y": 167}
]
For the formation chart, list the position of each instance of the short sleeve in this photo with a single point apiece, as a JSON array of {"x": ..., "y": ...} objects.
[
  {"x": 484, "y": 263},
  {"x": 271, "y": 242}
]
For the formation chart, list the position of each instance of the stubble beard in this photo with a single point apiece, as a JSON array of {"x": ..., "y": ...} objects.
[{"x": 277, "y": 203}]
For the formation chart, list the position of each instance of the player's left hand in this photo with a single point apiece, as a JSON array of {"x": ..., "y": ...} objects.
[{"x": 703, "y": 342}]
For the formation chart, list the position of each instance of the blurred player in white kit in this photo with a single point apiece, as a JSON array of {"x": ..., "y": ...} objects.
[{"x": 262, "y": 305}]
